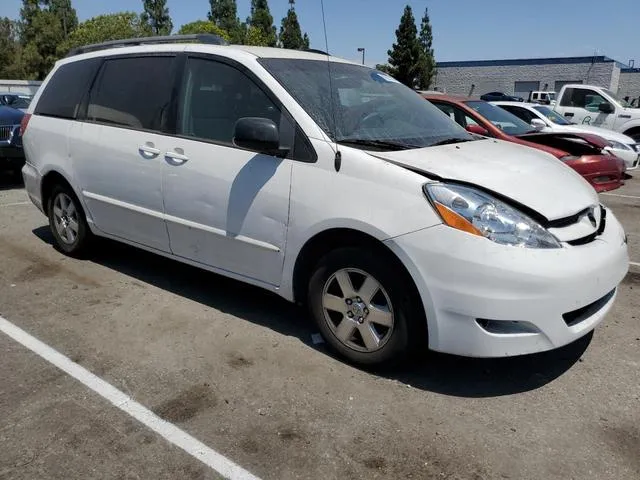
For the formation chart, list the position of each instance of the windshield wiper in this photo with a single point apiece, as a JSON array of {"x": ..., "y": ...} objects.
[
  {"x": 386, "y": 144},
  {"x": 449, "y": 141}
]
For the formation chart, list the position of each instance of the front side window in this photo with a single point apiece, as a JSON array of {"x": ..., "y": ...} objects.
[
  {"x": 583, "y": 98},
  {"x": 552, "y": 115},
  {"x": 363, "y": 106},
  {"x": 133, "y": 92},
  {"x": 215, "y": 96},
  {"x": 507, "y": 122},
  {"x": 522, "y": 113}
]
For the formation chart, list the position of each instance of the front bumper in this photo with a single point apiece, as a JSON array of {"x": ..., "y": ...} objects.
[
  {"x": 11, "y": 157},
  {"x": 467, "y": 280}
]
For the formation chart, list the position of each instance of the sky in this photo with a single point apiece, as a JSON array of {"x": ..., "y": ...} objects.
[{"x": 462, "y": 29}]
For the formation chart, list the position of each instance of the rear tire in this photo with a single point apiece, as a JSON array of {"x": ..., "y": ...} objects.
[
  {"x": 366, "y": 310},
  {"x": 68, "y": 222}
]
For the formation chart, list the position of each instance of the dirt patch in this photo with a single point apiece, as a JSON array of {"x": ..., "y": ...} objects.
[
  {"x": 374, "y": 463},
  {"x": 632, "y": 278},
  {"x": 42, "y": 268},
  {"x": 237, "y": 361},
  {"x": 625, "y": 441},
  {"x": 187, "y": 404}
]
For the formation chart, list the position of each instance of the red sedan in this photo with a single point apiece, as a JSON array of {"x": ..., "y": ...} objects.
[{"x": 581, "y": 152}]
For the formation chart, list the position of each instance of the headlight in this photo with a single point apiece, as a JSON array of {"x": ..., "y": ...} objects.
[
  {"x": 477, "y": 213},
  {"x": 618, "y": 145}
]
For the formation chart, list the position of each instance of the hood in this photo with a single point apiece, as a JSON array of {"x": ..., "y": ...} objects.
[
  {"x": 601, "y": 132},
  {"x": 577, "y": 144},
  {"x": 529, "y": 177},
  {"x": 10, "y": 116}
]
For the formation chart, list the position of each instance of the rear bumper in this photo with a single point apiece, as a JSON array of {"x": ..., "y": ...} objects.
[
  {"x": 486, "y": 300},
  {"x": 32, "y": 182}
]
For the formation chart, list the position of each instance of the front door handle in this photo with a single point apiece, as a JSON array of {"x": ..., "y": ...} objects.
[
  {"x": 176, "y": 157},
  {"x": 148, "y": 150},
  {"x": 568, "y": 114}
]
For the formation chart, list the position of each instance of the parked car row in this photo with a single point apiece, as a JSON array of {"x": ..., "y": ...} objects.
[
  {"x": 349, "y": 194},
  {"x": 586, "y": 154}
]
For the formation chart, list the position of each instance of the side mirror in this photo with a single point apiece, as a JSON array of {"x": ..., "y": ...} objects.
[
  {"x": 478, "y": 130},
  {"x": 257, "y": 133},
  {"x": 538, "y": 124},
  {"x": 606, "y": 107}
]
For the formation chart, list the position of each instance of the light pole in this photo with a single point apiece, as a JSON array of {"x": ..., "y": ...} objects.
[{"x": 361, "y": 49}]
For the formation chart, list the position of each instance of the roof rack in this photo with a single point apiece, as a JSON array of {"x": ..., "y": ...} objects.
[
  {"x": 205, "y": 38},
  {"x": 315, "y": 50}
]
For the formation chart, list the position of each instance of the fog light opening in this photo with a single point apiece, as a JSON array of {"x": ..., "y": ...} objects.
[{"x": 507, "y": 327}]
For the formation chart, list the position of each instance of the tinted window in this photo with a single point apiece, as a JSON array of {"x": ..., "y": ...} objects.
[
  {"x": 133, "y": 92},
  {"x": 521, "y": 113},
  {"x": 215, "y": 95},
  {"x": 64, "y": 91},
  {"x": 582, "y": 98}
]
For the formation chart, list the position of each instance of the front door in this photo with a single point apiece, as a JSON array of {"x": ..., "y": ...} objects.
[
  {"x": 118, "y": 151},
  {"x": 225, "y": 207}
]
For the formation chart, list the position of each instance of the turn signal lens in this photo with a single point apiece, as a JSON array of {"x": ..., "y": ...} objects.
[{"x": 454, "y": 220}]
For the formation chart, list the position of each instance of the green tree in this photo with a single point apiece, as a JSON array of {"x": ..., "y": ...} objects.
[
  {"x": 405, "y": 55},
  {"x": 290, "y": 33},
  {"x": 427, "y": 60},
  {"x": 156, "y": 16},
  {"x": 103, "y": 28},
  {"x": 224, "y": 13},
  {"x": 255, "y": 36},
  {"x": 203, "y": 26},
  {"x": 10, "y": 50},
  {"x": 66, "y": 14},
  {"x": 262, "y": 20},
  {"x": 385, "y": 68}
]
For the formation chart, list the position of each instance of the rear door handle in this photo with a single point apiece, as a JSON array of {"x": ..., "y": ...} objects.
[
  {"x": 176, "y": 157},
  {"x": 148, "y": 150}
]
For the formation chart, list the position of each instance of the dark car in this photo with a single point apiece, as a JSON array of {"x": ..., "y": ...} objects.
[
  {"x": 500, "y": 97},
  {"x": 11, "y": 154},
  {"x": 15, "y": 100}
]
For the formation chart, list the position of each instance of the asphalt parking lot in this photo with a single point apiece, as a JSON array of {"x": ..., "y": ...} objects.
[{"x": 236, "y": 368}]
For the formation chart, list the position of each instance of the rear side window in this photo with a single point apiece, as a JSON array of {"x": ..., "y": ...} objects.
[
  {"x": 63, "y": 94},
  {"x": 133, "y": 92}
]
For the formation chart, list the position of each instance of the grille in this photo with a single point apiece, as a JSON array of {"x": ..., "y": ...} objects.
[
  {"x": 5, "y": 132},
  {"x": 592, "y": 237},
  {"x": 581, "y": 314}
]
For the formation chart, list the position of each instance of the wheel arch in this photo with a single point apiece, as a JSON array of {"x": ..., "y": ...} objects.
[
  {"x": 634, "y": 130},
  {"x": 49, "y": 181},
  {"x": 331, "y": 239}
]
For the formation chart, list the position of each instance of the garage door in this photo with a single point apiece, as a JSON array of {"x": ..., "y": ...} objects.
[
  {"x": 522, "y": 89},
  {"x": 561, "y": 83}
]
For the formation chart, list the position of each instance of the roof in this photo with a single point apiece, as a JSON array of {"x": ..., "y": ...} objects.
[{"x": 530, "y": 61}]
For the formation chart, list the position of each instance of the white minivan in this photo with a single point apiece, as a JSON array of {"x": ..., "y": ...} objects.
[{"x": 329, "y": 183}]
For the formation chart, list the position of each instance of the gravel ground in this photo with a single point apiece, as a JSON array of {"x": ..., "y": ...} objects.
[{"x": 236, "y": 368}]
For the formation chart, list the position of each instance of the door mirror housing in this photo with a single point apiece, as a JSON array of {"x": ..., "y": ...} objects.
[
  {"x": 538, "y": 124},
  {"x": 478, "y": 130},
  {"x": 259, "y": 134},
  {"x": 606, "y": 107}
]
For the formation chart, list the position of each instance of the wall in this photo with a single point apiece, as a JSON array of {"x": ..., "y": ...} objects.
[
  {"x": 458, "y": 79},
  {"x": 629, "y": 84},
  {"x": 19, "y": 86}
]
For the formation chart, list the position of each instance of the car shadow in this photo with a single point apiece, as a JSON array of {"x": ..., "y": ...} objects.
[
  {"x": 429, "y": 371},
  {"x": 10, "y": 182}
]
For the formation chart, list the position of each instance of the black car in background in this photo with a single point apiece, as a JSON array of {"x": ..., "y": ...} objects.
[
  {"x": 500, "y": 97},
  {"x": 11, "y": 153}
]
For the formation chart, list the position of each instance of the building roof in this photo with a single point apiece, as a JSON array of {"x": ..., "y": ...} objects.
[
  {"x": 531, "y": 61},
  {"x": 630, "y": 70}
]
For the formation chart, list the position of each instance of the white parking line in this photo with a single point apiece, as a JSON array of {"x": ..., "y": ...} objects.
[
  {"x": 14, "y": 204},
  {"x": 621, "y": 196},
  {"x": 168, "y": 431},
  {"x": 635, "y": 264}
]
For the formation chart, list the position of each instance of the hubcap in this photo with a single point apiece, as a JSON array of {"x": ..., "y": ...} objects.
[
  {"x": 357, "y": 309},
  {"x": 65, "y": 218}
]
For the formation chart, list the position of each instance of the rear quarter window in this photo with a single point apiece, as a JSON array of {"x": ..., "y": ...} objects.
[{"x": 65, "y": 90}]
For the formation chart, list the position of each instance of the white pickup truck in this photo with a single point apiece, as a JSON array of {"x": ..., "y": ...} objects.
[{"x": 599, "y": 107}]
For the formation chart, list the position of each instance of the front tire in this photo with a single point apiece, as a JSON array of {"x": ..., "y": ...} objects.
[
  {"x": 367, "y": 310},
  {"x": 68, "y": 222}
]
